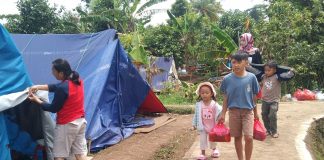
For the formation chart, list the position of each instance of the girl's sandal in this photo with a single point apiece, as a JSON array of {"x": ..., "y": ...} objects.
[
  {"x": 215, "y": 153},
  {"x": 202, "y": 157}
]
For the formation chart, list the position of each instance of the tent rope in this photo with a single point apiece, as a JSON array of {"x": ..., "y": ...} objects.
[
  {"x": 83, "y": 52},
  {"x": 23, "y": 51}
]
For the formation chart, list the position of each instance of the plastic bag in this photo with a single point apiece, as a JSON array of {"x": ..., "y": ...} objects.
[
  {"x": 304, "y": 95},
  {"x": 299, "y": 94},
  {"x": 320, "y": 96},
  {"x": 309, "y": 95},
  {"x": 259, "y": 131},
  {"x": 259, "y": 95},
  {"x": 220, "y": 133}
]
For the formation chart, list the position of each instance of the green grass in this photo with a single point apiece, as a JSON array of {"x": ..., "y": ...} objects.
[
  {"x": 174, "y": 98},
  {"x": 176, "y": 103},
  {"x": 165, "y": 152},
  {"x": 180, "y": 109}
]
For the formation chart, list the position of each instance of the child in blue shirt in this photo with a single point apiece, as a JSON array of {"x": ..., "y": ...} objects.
[{"x": 239, "y": 89}]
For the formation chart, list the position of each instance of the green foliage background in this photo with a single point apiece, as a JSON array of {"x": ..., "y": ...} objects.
[{"x": 288, "y": 31}]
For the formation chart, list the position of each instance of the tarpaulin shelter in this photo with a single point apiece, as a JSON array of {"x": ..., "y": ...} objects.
[
  {"x": 114, "y": 90},
  {"x": 167, "y": 74},
  {"x": 23, "y": 126}
]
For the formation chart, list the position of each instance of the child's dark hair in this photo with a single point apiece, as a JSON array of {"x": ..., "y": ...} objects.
[
  {"x": 62, "y": 65},
  {"x": 271, "y": 64},
  {"x": 211, "y": 90},
  {"x": 239, "y": 56}
]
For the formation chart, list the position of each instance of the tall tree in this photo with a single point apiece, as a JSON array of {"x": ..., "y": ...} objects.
[
  {"x": 187, "y": 26},
  {"x": 122, "y": 15},
  {"x": 35, "y": 16},
  {"x": 69, "y": 23},
  {"x": 232, "y": 22},
  {"x": 208, "y": 8},
  {"x": 179, "y": 8},
  {"x": 258, "y": 12},
  {"x": 164, "y": 41},
  {"x": 292, "y": 35}
]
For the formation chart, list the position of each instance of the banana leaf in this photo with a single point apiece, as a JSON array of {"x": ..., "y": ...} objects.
[
  {"x": 225, "y": 40},
  {"x": 138, "y": 55},
  {"x": 148, "y": 4},
  {"x": 174, "y": 20}
]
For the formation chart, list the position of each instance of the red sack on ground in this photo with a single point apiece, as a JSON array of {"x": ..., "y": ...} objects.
[
  {"x": 304, "y": 95},
  {"x": 220, "y": 133},
  {"x": 259, "y": 131},
  {"x": 309, "y": 95},
  {"x": 299, "y": 94}
]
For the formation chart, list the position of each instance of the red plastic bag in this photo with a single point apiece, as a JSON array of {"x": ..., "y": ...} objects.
[
  {"x": 220, "y": 133},
  {"x": 259, "y": 131},
  {"x": 299, "y": 94},
  {"x": 309, "y": 95},
  {"x": 259, "y": 95},
  {"x": 304, "y": 95}
]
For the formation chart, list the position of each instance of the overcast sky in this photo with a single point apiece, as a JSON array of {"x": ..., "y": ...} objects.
[{"x": 9, "y": 6}]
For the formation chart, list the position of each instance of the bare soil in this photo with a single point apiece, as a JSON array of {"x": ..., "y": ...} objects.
[
  {"x": 294, "y": 119},
  {"x": 176, "y": 141},
  {"x": 170, "y": 141}
]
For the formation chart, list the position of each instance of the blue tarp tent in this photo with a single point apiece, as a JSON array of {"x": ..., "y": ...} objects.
[
  {"x": 114, "y": 90},
  {"x": 19, "y": 128},
  {"x": 167, "y": 74}
]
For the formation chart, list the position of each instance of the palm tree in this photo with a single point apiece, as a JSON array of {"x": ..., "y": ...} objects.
[{"x": 207, "y": 8}]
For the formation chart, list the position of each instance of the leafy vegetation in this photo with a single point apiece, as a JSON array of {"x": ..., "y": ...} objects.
[
  {"x": 314, "y": 139},
  {"x": 199, "y": 32}
]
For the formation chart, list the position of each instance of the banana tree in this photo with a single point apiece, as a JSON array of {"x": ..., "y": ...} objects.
[
  {"x": 186, "y": 25},
  {"x": 187, "y": 28},
  {"x": 134, "y": 45},
  {"x": 225, "y": 40},
  {"x": 122, "y": 15}
]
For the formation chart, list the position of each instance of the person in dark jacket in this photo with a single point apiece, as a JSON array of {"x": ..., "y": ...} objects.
[
  {"x": 68, "y": 103},
  {"x": 246, "y": 45}
]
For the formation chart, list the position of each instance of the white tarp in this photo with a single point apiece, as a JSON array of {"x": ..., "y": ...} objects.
[{"x": 12, "y": 100}]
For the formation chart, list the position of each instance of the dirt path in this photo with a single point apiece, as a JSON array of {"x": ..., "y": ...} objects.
[
  {"x": 294, "y": 119},
  {"x": 177, "y": 142},
  {"x": 143, "y": 146}
]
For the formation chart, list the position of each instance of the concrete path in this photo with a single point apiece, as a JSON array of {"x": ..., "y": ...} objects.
[{"x": 294, "y": 119}]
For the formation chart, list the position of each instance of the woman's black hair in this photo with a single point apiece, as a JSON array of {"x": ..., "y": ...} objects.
[
  {"x": 62, "y": 65},
  {"x": 211, "y": 90}
]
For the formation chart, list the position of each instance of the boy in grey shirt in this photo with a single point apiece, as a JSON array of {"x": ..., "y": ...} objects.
[{"x": 271, "y": 93}]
